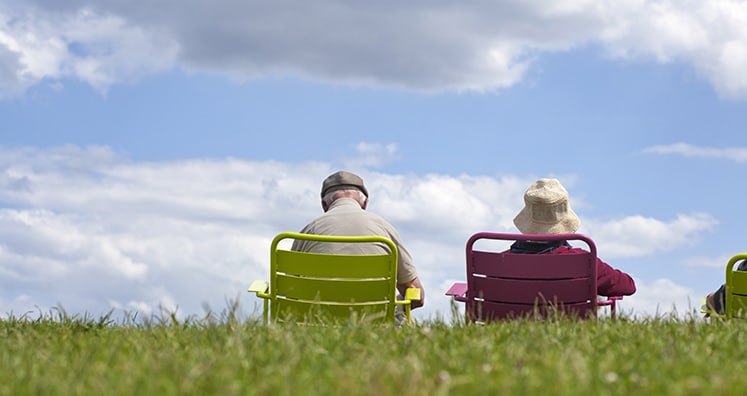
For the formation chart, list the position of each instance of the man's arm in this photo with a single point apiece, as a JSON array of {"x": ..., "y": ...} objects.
[{"x": 402, "y": 287}]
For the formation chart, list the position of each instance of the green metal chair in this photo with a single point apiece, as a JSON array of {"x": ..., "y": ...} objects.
[
  {"x": 735, "y": 296},
  {"x": 311, "y": 287}
]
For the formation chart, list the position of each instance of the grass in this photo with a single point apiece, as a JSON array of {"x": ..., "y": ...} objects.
[{"x": 58, "y": 354}]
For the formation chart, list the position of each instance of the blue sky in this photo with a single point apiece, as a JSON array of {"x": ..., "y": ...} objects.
[{"x": 149, "y": 151}]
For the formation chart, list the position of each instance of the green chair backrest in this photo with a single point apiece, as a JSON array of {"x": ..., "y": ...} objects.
[
  {"x": 308, "y": 287},
  {"x": 736, "y": 288}
]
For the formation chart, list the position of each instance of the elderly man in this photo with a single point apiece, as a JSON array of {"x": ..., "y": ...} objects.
[{"x": 344, "y": 201}]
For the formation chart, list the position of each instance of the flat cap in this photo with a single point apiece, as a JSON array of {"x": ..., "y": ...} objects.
[{"x": 343, "y": 180}]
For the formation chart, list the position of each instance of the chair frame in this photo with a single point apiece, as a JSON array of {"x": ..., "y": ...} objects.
[
  {"x": 504, "y": 285},
  {"x": 307, "y": 287},
  {"x": 735, "y": 293}
]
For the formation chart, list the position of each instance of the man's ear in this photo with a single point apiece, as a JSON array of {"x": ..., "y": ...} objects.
[
  {"x": 364, "y": 204},
  {"x": 325, "y": 207}
]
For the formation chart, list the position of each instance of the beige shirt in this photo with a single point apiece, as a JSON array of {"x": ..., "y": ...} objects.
[{"x": 346, "y": 217}]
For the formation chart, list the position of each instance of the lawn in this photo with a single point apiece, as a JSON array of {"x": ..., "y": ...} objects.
[{"x": 221, "y": 354}]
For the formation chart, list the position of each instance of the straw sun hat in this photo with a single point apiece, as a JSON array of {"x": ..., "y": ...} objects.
[{"x": 546, "y": 210}]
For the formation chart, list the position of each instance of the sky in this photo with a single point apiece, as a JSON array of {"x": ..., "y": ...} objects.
[{"x": 151, "y": 150}]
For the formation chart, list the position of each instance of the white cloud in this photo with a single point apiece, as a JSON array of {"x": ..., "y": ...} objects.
[
  {"x": 96, "y": 47},
  {"x": 439, "y": 46},
  {"x": 636, "y": 236},
  {"x": 736, "y": 154},
  {"x": 94, "y": 231},
  {"x": 662, "y": 298},
  {"x": 709, "y": 35}
]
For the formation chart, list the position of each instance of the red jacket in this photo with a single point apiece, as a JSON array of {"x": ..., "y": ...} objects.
[{"x": 610, "y": 281}]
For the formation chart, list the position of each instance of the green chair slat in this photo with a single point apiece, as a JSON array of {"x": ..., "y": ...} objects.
[
  {"x": 313, "y": 312},
  {"x": 331, "y": 265},
  {"x": 739, "y": 282},
  {"x": 738, "y": 307},
  {"x": 334, "y": 290}
]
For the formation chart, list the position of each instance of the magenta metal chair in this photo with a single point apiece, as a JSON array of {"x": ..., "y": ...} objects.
[{"x": 504, "y": 285}]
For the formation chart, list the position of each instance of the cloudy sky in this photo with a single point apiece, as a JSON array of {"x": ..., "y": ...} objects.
[{"x": 150, "y": 150}]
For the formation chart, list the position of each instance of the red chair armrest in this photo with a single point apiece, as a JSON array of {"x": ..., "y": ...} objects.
[
  {"x": 611, "y": 300},
  {"x": 458, "y": 291}
]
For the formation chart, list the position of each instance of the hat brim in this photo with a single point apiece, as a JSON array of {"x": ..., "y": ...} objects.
[
  {"x": 344, "y": 187},
  {"x": 567, "y": 225}
]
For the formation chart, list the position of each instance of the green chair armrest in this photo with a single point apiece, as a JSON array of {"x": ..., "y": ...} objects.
[
  {"x": 708, "y": 312},
  {"x": 261, "y": 288},
  {"x": 704, "y": 307},
  {"x": 412, "y": 293}
]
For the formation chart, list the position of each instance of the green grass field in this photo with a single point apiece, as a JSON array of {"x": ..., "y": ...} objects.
[{"x": 57, "y": 354}]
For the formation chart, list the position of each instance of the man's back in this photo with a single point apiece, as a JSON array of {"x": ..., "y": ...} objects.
[{"x": 345, "y": 217}]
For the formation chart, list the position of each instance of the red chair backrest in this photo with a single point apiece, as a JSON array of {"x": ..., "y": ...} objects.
[{"x": 503, "y": 285}]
